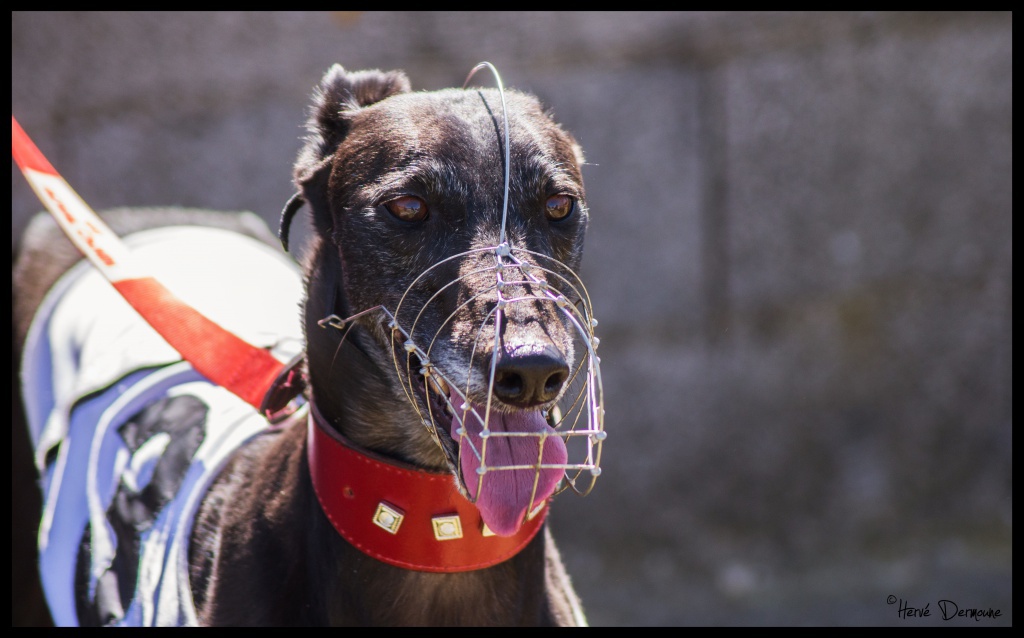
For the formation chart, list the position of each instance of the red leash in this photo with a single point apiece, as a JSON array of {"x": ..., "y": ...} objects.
[{"x": 220, "y": 356}]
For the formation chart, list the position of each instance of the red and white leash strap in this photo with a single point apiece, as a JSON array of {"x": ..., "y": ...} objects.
[{"x": 219, "y": 355}]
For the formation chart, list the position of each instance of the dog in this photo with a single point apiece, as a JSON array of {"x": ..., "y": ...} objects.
[{"x": 435, "y": 330}]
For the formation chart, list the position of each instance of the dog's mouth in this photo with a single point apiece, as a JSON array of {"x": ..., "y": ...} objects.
[{"x": 507, "y": 462}]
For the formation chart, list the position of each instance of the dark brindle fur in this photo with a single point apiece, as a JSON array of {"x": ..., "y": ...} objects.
[{"x": 262, "y": 551}]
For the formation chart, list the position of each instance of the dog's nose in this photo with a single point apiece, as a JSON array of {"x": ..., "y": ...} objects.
[{"x": 526, "y": 380}]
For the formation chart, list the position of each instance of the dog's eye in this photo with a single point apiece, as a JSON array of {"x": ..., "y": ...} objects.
[
  {"x": 408, "y": 208},
  {"x": 558, "y": 207}
]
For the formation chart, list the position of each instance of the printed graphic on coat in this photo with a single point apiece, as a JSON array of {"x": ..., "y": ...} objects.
[
  {"x": 120, "y": 423},
  {"x": 161, "y": 441}
]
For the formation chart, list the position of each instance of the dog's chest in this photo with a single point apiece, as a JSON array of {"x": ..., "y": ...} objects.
[{"x": 127, "y": 436}]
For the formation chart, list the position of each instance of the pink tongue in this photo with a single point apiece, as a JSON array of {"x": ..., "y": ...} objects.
[{"x": 505, "y": 494}]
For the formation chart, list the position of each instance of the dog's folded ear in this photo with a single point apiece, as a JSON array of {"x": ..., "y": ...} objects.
[
  {"x": 342, "y": 90},
  {"x": 340, "y": 94}
]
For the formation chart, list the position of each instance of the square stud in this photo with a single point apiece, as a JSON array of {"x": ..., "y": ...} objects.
[
  {"x": 486, "y": 531},
  {"x": 447, "y": 528},
  {"x": 388, "y": 517}
]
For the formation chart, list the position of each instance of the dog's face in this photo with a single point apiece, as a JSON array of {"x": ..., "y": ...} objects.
[{"x": 408, "y": 195}]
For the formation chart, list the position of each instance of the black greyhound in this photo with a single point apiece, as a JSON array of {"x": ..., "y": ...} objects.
[{"x": 468, "y": 337}]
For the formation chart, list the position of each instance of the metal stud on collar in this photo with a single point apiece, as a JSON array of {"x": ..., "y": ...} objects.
[
  {"x": 388, "y": 517},
  {"x": 447, "y": 528}
]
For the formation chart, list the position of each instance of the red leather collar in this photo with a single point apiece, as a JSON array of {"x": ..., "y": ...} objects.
[{"x": 400, "y": 515}]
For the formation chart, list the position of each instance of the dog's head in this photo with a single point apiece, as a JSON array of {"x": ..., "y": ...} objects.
[{"x": 484, "y": 333}]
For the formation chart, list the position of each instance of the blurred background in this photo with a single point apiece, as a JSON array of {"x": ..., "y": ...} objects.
[{"x": 800, "y": 254}]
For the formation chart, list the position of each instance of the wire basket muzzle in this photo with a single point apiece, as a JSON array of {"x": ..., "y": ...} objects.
[{"x": 516, "y": 445}]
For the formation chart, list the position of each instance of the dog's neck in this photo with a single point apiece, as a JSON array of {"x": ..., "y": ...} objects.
[{"x": 351, "y": 381}]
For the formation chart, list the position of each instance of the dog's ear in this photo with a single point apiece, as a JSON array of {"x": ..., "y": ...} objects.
[
  {"x": 338, "y": 97},
  {"x": 342, "y": 93}
]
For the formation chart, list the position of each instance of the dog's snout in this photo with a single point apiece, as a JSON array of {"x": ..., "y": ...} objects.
[{"x": 527, "y": 380}]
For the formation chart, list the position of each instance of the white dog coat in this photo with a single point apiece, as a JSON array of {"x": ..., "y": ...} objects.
[{"x": 127, "y": 436}]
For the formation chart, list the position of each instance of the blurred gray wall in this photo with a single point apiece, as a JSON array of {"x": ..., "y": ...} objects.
[{"x": 800, "y": 255}]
